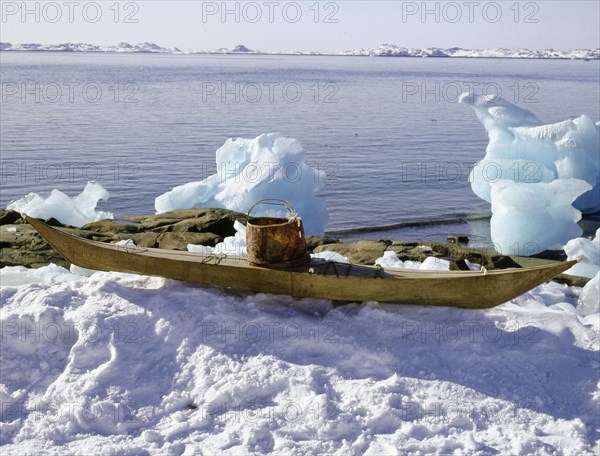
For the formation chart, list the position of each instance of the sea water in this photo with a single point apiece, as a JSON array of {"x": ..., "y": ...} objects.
[{"x": 389, "y": 133}]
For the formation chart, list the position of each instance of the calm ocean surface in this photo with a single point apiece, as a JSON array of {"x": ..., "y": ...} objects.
[{"x": 389, "y": 132}]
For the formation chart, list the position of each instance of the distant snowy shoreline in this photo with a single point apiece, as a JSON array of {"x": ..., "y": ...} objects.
[{"x": 384, "y": 50}]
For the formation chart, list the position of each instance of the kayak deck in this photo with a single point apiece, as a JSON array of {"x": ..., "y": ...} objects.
[{"x": 317, "y": 279}]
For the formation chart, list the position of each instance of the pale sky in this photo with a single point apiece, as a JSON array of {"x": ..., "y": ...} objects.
[{"x": 307, "y": 25}]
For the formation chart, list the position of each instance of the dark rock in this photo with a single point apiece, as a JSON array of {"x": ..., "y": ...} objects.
[
  {"x": 504, "y": 262},
  {"x": 572, "y": 281},
  {"x": 205, "y": 224},
  {"x": 314, "y": 241},
  {"x": 458, "y": 239},
  {"x": 419, "y": 251},
  {"x": 194, "y": 225},
  {"x": 359, "y": 252},
  {"x": 208, "y": 220},
  {"x": 462, "y": 265},
  {"x": 92, "y": 235},
  {"x": 411, "y": 244},
  {"x": 110, "y": 226},
  {"x": 9, "y": 237},
  {"x": 527, "y": 262},
  {"x": 175, "y": 230},
  {"x": 29, "y": 249},
  {"x": 410, "y": 251},
  {"x": 8, "y": 217},
  {"x": 157, "y": 225},
  {"x": 54, "y": 222},
  {"x": 146, "y": 239},
  {"x": 171, "y": 230},
  {"x": 241, "y": 48},
  {"x": 136, "y": 218},
  {"x": 556, "y": 255},
  {"x": 179, "y": 241}
]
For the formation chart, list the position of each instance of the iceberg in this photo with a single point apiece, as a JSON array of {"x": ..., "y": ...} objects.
[
  {"x": 248, "y": 170},
  {"x": 588, "y": 251},
  {"x": 529, "y": 218},
  {"x": 538, "y": 178},
  {"x": 76, "y": 211}
]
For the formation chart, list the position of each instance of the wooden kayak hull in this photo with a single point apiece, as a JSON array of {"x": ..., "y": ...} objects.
[{"x": 318, "y": 279}]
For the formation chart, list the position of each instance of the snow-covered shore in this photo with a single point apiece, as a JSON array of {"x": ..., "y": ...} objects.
[
  {"x": 124, "y": 364},
  {"x": 384, "y": 50}
]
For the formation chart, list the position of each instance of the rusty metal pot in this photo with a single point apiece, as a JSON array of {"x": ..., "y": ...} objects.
[{"x": 276, "y": 242}]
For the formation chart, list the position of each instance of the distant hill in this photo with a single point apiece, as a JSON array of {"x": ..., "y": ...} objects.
[{"x": 384, "y": 50}]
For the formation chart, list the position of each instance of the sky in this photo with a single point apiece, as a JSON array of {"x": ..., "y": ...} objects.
[{"x": 324, "y": 26}]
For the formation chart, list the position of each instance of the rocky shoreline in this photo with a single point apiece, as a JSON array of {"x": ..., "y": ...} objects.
[{"x": 20, "y": 245}]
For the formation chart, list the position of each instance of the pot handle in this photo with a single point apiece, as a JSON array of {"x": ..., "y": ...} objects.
[{"x": 276, "y": 202}]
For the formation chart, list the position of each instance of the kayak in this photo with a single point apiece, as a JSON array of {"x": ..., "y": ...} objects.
[{"x": 317, "y": 278}]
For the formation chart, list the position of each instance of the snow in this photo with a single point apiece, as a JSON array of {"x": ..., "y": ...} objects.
[
  {"x": 588, "y": 251},
  {"x": 196, "y": 248},
  {"x": 233, "y": 245},
  {"x": 84, "y": 272},
  {"x": 20, "y": 275},
  {"x": 384, "y": 50},
  {"x": 390, "y": 260},
  {"x": 86, "y": 47},
  {"x": 392, "y": 50},
  {"x": 328, "y": 255},
  {"x": 248, "y": 170},
  {"x": 76, "y": 211},
  {"x": 125, "y": 364},
  {"x": 537, "y": 177},
  {"x": 126, "y": 243},
  {"x": 589, "y": 299}
]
